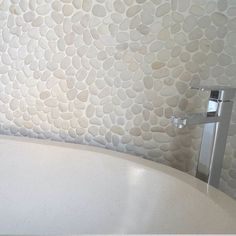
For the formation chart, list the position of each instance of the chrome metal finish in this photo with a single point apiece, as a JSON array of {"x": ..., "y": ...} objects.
[
  {"x": 221, "y": 93},
  {"x": 216, "y": 123}
]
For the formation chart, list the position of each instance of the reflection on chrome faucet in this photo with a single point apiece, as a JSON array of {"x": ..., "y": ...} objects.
[
  {"x": 195, "y": 119},
  {"x": 216, "y": 123}
]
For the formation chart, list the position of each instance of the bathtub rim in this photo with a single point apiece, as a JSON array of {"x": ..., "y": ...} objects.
[{"x": 220, "y": 198}]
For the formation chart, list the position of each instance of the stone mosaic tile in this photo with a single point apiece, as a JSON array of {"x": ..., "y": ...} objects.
[{"x": 111, "y": 73}]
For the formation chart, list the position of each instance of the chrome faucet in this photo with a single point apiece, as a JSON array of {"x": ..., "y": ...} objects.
[{"x": 216, "y": 124}]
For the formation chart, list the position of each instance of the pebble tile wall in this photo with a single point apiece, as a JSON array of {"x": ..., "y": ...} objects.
[{"x": 111, "y": 73}]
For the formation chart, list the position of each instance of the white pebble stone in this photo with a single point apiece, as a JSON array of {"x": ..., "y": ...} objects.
[
  {"x": 219, "y": 19},
  {"x": 196, "y": 34},
  {"x": 192, "y": 46},
  {"x": 163, "y": 55},
  {"x": 67, "y": 25},
  {"x": 13, "y": 53},
  {"x": 231, "y": 38},
  {"x": 51, "y": 102},
  {"x": 217, "y": 46},
  {"x": 161, "y": 73},
  {"x": 212, "y": 59},
  {"x": 83, "y": 122},
  {"x": 224, "y": 59},
  {"x": 217, "y": 71},
  {"x": 6, "y": 35},
  {"x": 157, "y": 65},
  {"x": 204, "y": 45},
  {"x": 104, "y": 93},
  {"x": 90, "y": 111},
  {"x": 44, "y": 95},
  {"x": 132, "y": 11},
  {"x": 143, "y": 29},
  {"x": 196, "y": 10},
  {"x": 14, "y": 104},
  {"x": 23, "y": 5},
  {"x": 163, "y": 9},
  {"x": 231, "y": 70},
  {"x": 37, "y": 21},
  {"x": 211, "y": 7},
  {"x": 34, "y": 33},
  {"x": 86, "y": 5},
  {"x": 231, "y": 11},
  {"x": 135, "y": 22},
  {"x": 70, "y": 38},
  {"x": 124, "y": 24},
  {"x": 76, "y": 62},
  {"x": 117, "y": 130},
  {"x": 61, "y": 44},
  {"x": 175, "y": 28},
  {"x": 22, "y": 52},
  {"x": 6, "y": 59},
  {"x": 14, "y": 9},
  {"x": 43, "y": 9},
  {"x": 222, "y": 5},
  {"x": 85, "y": 20},
  {"x": 146, "y": 18},
  {"x": 183, "y": 5},
  {"x": 29, "y": 16},
  {"x": 10, "y": 21},
  {"x": 211, "y": 33},
  {"x": 117, "y": 18},
  {"x": 51, "y": 35},
  {"x": 180, "y": 38},
  {"x": 77, "y": 17},
  {"x": 122, "y": 37},
  {"x": 107, "y": 108},
  {"x": 71, "y": 94},
  {"x": 93, "y": 130},
  {"x": 192, "y": 66},
  {"x": 83, "y": 96},
  {"x": 56, "y": 5},
  {"x": 155, "y": 46},
  {"x": 177, "y": 17},
  {"x": 3, "y": 69},
  {"x": 119, "y": 6},
  {"x": 77, "y": 3},
  {"x": 204, "y": 22},
  {"x": 87, "y": 37},
  {"x": 20, "y": 21},
  {"x": 67, "y": 10},
  {"x": 57, "y": 17},
  {"x": 148, "y": 82},
  {"x": 135, "y": 131},
  {"x": 107, "y": 64},
  {"x": 189, "y": 23},
  {"x": 199, "y": 57},
  {"x": 138, "y": 86},
  {"x": 232, "y": 24},
  {"x": 99, "y": 11},
  {"x": 164, "y": 34},
  {"x": 204, "y": 72},
  {"x": 59, "y": 74}
]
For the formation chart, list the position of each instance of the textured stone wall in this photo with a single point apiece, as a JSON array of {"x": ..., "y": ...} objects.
[{"x": 111, "y": 73}]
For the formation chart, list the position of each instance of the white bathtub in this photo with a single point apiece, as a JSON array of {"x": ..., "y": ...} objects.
[{"x": 56, "y": 188}]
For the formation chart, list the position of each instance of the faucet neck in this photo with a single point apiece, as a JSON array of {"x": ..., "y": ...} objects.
[{"x": 216, "y": 123}]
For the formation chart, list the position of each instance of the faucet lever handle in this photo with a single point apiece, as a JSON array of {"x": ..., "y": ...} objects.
[{"x": 220, "y": 93}]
